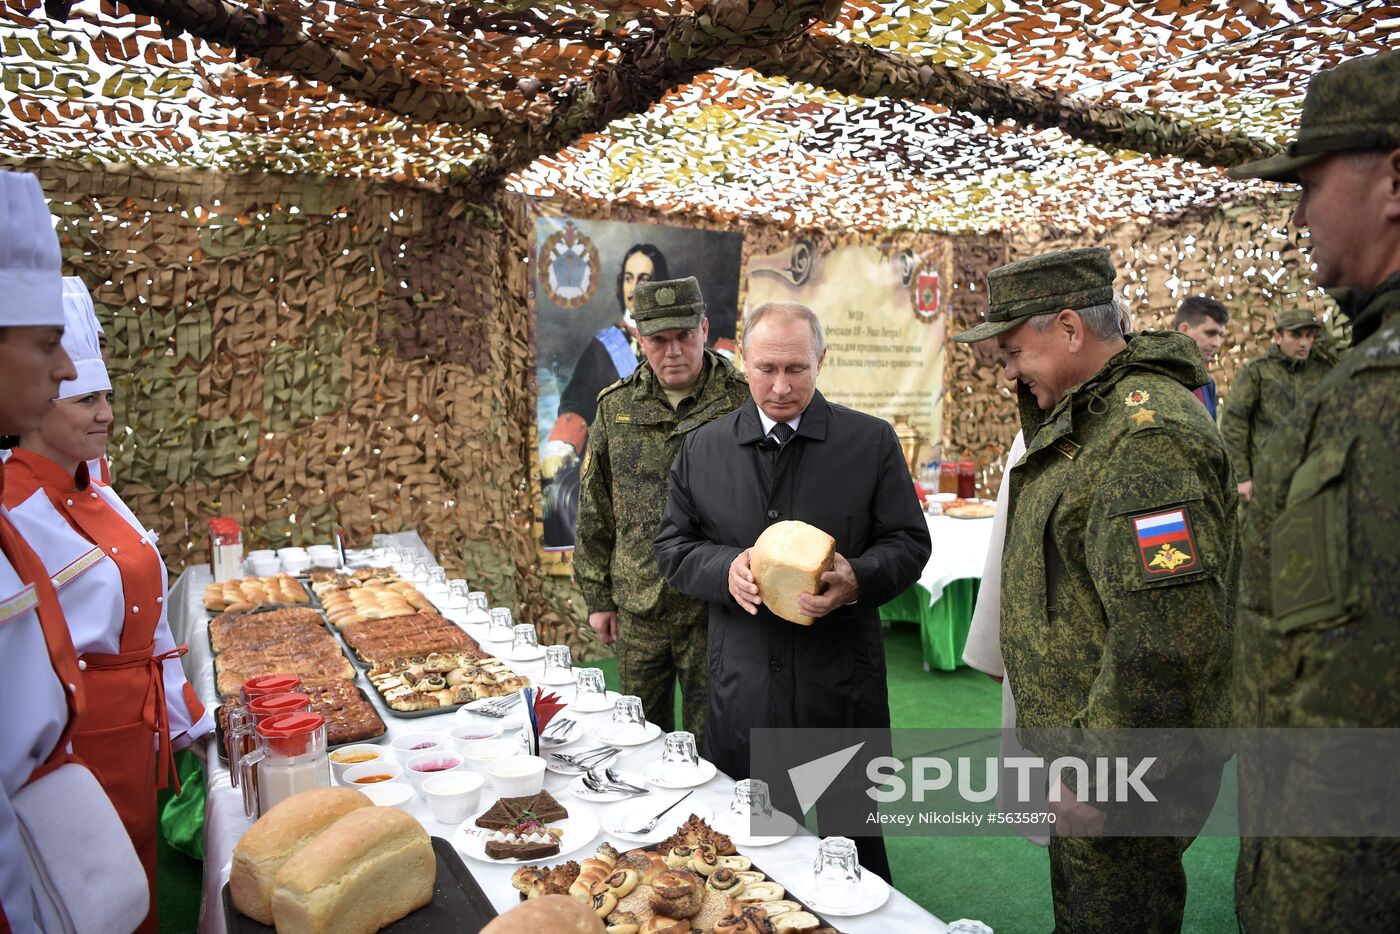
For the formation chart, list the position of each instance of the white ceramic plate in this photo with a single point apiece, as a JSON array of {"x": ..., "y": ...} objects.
[
  {"x": 736, "y": 830},
  {"x": 645, "y": 809},
  {"x": 580, "y": 705},
  {"x": 613, "y": 735},
  {"x": 702, "y": 774},
  {"x": 556, "y": 678},
  {"x": 485, "y": 635},
  {"x": 528, "y": 655},
  {"x": 869, "y": 895},
  {"x": 580, "y": 827},
  {"x": 579, "y": 790}
]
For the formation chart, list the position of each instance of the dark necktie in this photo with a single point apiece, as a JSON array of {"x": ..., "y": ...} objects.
[{"x": 779, "y": 436}]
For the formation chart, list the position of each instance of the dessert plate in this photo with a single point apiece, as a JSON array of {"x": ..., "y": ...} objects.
[
  {"x": 615, "y": 735},
  {"x": 579, "y": 790},
  {"x": 740, "y": 833},
  {"x": 645, "y": 809},
  {"x": 589, "y": 703},
  {"x": 870, "y": 893},
  {"x": 656, "y": 775},
  {"x": 580, "y": 827}
]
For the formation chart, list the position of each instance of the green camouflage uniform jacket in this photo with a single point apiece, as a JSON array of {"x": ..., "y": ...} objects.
[
  {"x": 631, "y": 445},
  {"x": 1319, "y": 641},
  {"x": 1265, "y": 395},
  {"x": 1121, "y": 557}
]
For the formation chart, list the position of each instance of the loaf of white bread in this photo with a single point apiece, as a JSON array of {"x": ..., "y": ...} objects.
[
  {"x": 328, "y": 860},
  {"x": 363, "y": 872},
  {"x": 788, "y": 559},
  {"x": 276, "y": 837}
]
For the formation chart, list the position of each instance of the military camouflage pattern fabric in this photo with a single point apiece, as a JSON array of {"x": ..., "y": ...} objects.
[
  {"x": 1267, "y": 394},
  {"x": 1118, "y": 588},
  {"x": 651, "y": 655},
  {"x": 1318, "y": 643},
  {"x": 1295, "y": 319},
  {"x": 1355, "y": 106},
  {"x": 1041, "y": 285},
  {"x": 623, "y": 490},
  {"x": 664, "y": 304}
]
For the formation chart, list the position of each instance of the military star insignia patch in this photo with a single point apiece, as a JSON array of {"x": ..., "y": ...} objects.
[
  {"x": 1144, "y": 417},
  {"x": 1136, "y": 397},
  {"x": 1166, "y": 544}
]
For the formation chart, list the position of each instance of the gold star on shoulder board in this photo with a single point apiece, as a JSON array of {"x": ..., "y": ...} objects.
[{"x": 1144, "y": 417}]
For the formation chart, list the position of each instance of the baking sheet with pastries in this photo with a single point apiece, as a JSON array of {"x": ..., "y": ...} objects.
[
  {"x": 458, "y": 903},
  {"x": 350, "y": 715},
  {"x": 442, "y": 683},
  {"x": 246, "y": 645},
  {"x": 379, "y": 642},
  {"x": 247, "y": 593}
]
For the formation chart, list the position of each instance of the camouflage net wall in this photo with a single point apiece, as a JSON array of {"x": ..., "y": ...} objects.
[
  {"x": 302, "y": 354},
  {"x": 1244, "y": 254}
]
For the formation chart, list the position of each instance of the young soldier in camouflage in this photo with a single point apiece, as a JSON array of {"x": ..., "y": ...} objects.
[
  {"x": 1120, "y": 565},
  {"x": 1320, "y": 600},
  {"x": 658, "y": 632},
  {"x": 1268, "y": 392}
]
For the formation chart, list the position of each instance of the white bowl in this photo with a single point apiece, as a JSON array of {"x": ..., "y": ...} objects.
[
  {"x": 389, "y": 795},
  {"x": 296, "y": 564},
  {"x": 261, "y": 553},
  {"x": 453, "y": 795},
  {"x": 425, "y": 765},
  {"x": 482, "y": 753},
  {"x": 347, "y": 757},
  {"x": 473, "y": 731},
  {"x": 295, "y": 550},
  {"x": 263, "y": 565},
  {"x": 411, "y": 744},
  {"x": 355, "y": 775},
  {"x": 517, "y": 776}
]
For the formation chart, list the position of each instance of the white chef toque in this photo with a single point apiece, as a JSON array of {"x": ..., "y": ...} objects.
[
  {"x": 31, "y": 270},
  {"x": 80, "y": 341}
]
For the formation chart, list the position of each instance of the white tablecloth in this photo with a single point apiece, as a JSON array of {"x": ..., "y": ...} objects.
[
  {"x": 224, "y": 822},
  {"x": 959, "y": 551}
]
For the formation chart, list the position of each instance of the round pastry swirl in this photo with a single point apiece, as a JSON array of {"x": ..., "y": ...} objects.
[
  {"x": 622, "y": 922},
  {"x": 677, "y": 893},
  {"x": 620, "y": 883},
  {"x": 679, "y": 857},
  {"x": 724, "y": 881},
  {"x": 750, "y": 920}
]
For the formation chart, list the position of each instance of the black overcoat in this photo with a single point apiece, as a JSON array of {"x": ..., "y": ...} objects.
[{"x": 843, "y": 472}]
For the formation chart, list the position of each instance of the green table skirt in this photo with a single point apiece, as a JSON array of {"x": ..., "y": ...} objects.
[{"x": 944, "y": 625}]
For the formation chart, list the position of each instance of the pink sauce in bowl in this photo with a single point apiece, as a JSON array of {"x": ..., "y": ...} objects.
[
  {"x": 437, "y": 765},
  {"x": 428, "y": 745}
]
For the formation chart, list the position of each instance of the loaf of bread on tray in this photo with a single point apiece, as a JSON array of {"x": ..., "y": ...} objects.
[
  {"x": 277, "y": 836},
  {"x": 365, "y": 871},
  {"x": 788, "y": 559}
]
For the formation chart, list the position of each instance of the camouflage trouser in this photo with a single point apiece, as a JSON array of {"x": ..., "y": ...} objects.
[
  {"x": 1107, "y": 885},
  {"x": 651, "y": 655},
  {"x": 1338, "y": 884}
]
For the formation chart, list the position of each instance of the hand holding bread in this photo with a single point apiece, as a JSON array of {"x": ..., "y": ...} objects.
[
  {"x": 741, "y": 583},
  {"x": 791, "y": 561},
  {"x": 839, "y": 588}
]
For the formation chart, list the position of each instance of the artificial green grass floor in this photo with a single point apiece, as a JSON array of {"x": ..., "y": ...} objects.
[{"x": 1002, "y": 881}]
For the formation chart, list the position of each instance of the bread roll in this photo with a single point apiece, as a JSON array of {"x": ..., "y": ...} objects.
[
  {"x": 278, "y": 835},
  {"x": 557, "y": 914},
  {"x": 788, "y": 559},
  {"x": 365, "y": 871}
]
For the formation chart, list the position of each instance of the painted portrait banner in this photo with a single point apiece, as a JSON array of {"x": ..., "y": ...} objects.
[
  {"x": 585, "y": 274},
  {"x": 883, "y": 308}
]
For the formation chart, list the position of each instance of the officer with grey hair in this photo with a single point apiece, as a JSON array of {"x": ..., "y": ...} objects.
[
  {"x": 1317, "y": 642},
  {"x": 1118, "y": 571}
]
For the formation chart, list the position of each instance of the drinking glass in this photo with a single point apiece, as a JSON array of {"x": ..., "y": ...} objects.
[
  {"x": 591, "y": 686},
  {"x": 751, "y": 799},
  {"x": 524, "y": 640},
  {"x": 457, "y": 591},
  {"x": 557, "y": 661},
  {"x": 627, "y": 713},
  {"x": 679, "y": 755},
  {"x": 837, "y": 871},
  {"x": 437, "y": 578},
  {"x": 477, "y": 603},
  {"x": 500, "y": 623}
]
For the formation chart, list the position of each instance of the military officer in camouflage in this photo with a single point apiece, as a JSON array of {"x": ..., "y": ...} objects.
[
  {"x": 1268, "y": 392},
  {"x": 1318, "y": 644},
  {"x": 1120, "y": 562},
  {"x": 658, "y": 632}
]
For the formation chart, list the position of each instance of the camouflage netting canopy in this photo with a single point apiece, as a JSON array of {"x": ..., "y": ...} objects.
[{"x": 953, "y": 116}]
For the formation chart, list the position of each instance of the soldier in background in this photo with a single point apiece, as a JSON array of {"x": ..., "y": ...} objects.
[
  {"x": 1119, "y": 569},
  {"x": 658, "y": 633},
  {"x": 1317, "y": 642},
  {"x": 1268, "y": 392},
  {"x": 1203, "y": 319}
]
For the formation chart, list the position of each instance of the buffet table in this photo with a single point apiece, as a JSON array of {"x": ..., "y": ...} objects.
[
  {"x": 787, "y": 862},
  {"x": 941, "y": 603}
]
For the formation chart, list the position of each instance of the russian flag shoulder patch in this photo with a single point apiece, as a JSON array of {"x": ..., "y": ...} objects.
[{"x": 1166, "y": 544}]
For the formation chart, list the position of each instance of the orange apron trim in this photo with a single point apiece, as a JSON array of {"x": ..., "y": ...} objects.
[{"x": 154, "y": 712}]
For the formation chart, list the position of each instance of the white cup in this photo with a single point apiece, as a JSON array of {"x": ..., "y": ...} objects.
[
  {"x": 296, "y": 564},
  {"x": 295, "y": 551},
  {"x": 355, "y": 775},
  {"x": 347, "y": 757},
  {"x": 425, "y": 765},
  {"x": 389, "y": 795},
  {"x": 411, "y": 744},
  {"x": 472, "y": 732},
  {"x": 453, "y": 795},
  {"x": 517, "y": 776},
  {"x": 481, "y": 754},
  {"x": 261, "y": 553}
]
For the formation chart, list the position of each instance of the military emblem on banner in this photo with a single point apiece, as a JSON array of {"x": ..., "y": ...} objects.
[
  {"x": 1166, "y": 545},
  {"x": 928, "y": 295},
  {"x": 569, "y": 267}
]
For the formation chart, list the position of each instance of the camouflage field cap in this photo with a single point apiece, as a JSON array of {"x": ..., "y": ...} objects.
[
  {"x": 1295, "y": 319},
  {"x": 1355, "y": 106},
  {"x": 663, "y": 304},
  {"x": 1043, "y": 284}
]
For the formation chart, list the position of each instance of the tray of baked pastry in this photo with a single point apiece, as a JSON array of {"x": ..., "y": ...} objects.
[
  {"x": 458, "y": 904},
  {"x": 293, "y": 640},
  {"x": 442, "y": 683},
  {"x": 693, "y": 881},
  {"x": 350, "y": 715}
]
